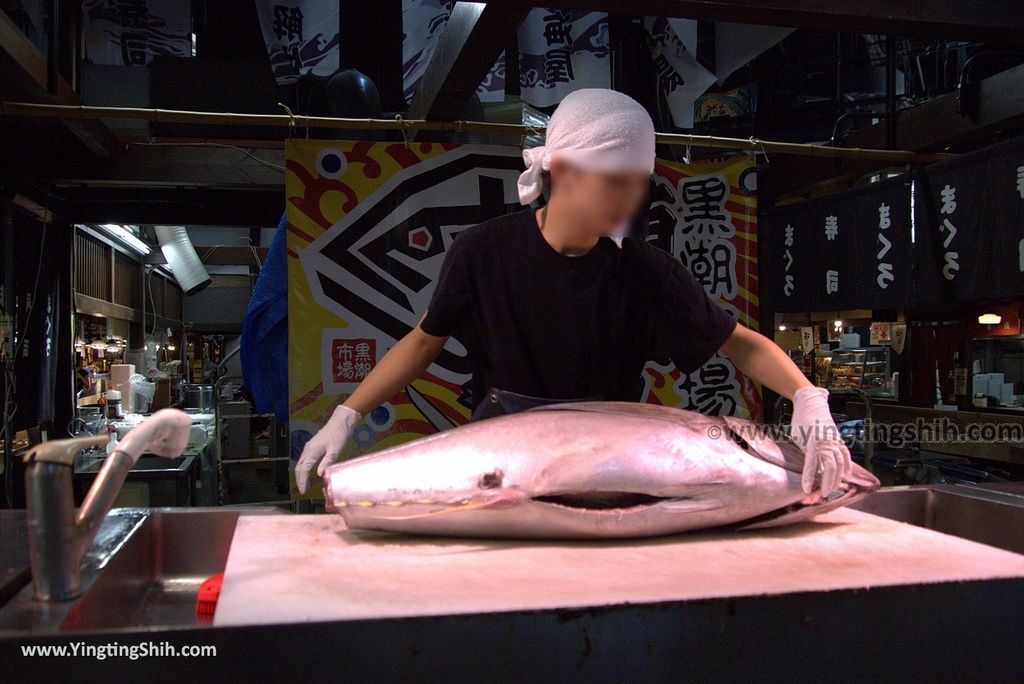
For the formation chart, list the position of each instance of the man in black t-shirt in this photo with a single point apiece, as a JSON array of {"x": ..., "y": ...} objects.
[
  {"x": 539, "y": 323},
  {"x": 555, "y": 304}
]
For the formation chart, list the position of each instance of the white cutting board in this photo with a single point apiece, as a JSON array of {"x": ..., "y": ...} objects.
[{"x": 299, "y": 568}]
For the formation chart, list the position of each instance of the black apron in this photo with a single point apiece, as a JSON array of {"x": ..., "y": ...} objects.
[{"x": 499, "y": 402}]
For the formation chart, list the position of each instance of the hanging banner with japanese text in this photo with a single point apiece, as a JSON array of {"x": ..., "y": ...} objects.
[
  {"x": 706, "y": 215},
  {"x": 368, "y": 228},
  {"x": 422, "y": 24},
  {"x": 843, "y": 251},
  {"x": 561, "y": 51},
  {"x": 969, "y": 215},
  {"x": 681, "y": 77},
  {"x": 132, "y": 32},
  {"x": 301, "y": 37}
]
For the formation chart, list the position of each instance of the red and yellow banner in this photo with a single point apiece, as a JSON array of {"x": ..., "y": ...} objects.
[{"x": 369, "y": 225}]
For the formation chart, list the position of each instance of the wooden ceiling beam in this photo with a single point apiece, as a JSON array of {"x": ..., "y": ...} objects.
[
  {"x": 939, "y": 18},
  {"x": 933, "y": 125},
  {"x": 244, "y": 207},
  {"x": 23, "y": 74},
  {"x": 195, "y": 165}
]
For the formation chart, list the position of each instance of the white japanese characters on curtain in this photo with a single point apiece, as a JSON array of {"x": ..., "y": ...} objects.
[
  {"x": 561, "y": 51},
  {"x": 132, "y": 32},
  {"x": 846, "y": 250},
  {"x": 301, "y": 37}
]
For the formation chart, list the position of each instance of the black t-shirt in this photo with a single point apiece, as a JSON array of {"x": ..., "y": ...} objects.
[{"x": 544, "y": 324}]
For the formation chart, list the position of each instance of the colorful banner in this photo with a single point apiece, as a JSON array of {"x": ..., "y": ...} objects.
[
  {"x": 734, "y": 103},
  {"x": 369, "y": 225},
  {"x": 132, "y": 32},
  {"x": 301, "y": 37},
  {"x": 706, "y": 214}
]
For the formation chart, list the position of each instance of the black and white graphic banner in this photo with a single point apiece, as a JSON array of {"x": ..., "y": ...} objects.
[
  {"x": 131, "y": 32},
  {"x": 301, "y": 37},
  {"x": 561, "y": 51},
  {"x": 422, "y": 24}
]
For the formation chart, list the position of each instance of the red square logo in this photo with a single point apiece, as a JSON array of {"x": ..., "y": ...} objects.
[{"x": 353, "y": 359}]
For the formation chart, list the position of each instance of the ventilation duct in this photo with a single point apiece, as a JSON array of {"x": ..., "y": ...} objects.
[{"x": 181, "y": 256}]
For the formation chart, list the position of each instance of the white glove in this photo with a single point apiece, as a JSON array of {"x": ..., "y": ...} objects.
[
  {"x": 325, "y": 446},
  {"x": 165, "y": 433},
  {"x": 816, "y": 433}
]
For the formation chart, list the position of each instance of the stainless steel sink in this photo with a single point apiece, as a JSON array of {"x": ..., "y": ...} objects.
[
  {"x": 982, "y": 515},
  {"x": 154, "y": 578},
  {"x": 143, "y": 571}
]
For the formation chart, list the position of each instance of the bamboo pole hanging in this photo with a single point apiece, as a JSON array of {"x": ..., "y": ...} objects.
[{"x": 53, "y": 111}]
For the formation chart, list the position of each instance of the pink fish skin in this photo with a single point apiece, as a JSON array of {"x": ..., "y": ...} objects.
[{"x": 584, "y": 470}]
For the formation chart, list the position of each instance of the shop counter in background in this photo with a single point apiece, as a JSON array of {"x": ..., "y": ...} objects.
[
  {"x": 153, "y": 482},
  {"x": 917, "y": 444}
]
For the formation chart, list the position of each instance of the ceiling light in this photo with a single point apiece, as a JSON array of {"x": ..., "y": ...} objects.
[
  {"x": 126, "y": 236},
  {"x": 990, "y": 319}
]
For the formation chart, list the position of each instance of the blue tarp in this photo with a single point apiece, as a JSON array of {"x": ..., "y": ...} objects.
[{"x": 264, "y": 350}]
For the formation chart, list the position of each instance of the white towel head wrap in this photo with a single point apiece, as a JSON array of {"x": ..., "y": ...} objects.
[{"x": 597, "y": 129}]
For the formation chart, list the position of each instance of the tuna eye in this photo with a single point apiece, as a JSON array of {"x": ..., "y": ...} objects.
[{"x": 492, "y": 479}]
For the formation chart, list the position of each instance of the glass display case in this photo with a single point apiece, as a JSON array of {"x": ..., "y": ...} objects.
[
  {"x": 998, "y": 371},
  {"x": 865, "y": 368},
  {"x": 805, "y": 362}
]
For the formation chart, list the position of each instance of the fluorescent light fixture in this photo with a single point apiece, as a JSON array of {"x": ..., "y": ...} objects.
[
  {"x": 126, "y": 236},
  {"x": 990, "y": 319}
]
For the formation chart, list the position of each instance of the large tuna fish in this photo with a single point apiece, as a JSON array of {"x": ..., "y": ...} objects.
[{"x": 595, "y": 469}]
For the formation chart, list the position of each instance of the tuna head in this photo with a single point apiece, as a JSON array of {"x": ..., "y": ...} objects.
[{"x": 599, "y": 469}]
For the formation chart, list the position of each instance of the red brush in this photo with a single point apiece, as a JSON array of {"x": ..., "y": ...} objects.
[{"x": 209, "y": 590}]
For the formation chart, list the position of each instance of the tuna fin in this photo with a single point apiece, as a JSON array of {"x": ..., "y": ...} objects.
[{"x": 801, "y": 511}]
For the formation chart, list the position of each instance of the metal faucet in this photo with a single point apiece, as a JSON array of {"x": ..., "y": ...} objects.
[
  {"x": 869, "y": 442},
  {"x": 58, "y": 536}
]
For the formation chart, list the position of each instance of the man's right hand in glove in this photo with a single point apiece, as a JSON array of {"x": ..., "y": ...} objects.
[{"x": 326, "y": 445}]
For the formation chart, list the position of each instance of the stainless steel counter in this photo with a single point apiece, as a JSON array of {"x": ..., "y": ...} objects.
[{"x": 145, "y": 567}]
